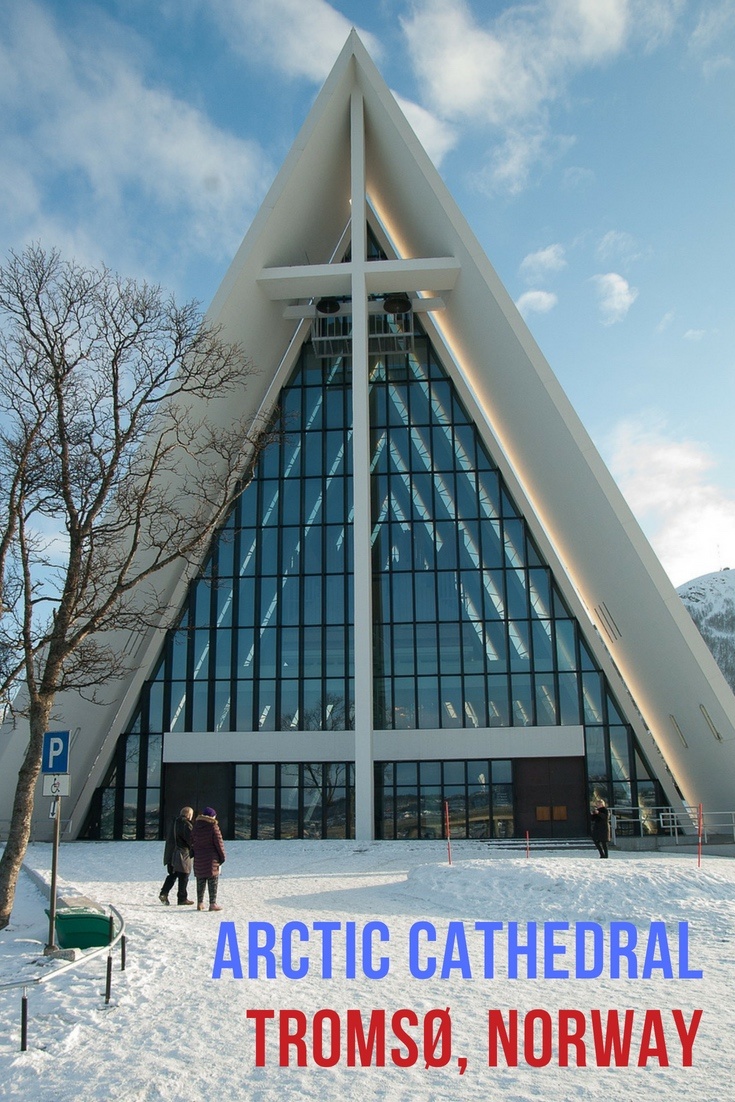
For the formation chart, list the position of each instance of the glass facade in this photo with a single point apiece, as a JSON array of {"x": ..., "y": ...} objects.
[
  {"x": 470, "y": 628},
  {"x": 473, "y": 799},
  {"x": 295, "y": 800}
]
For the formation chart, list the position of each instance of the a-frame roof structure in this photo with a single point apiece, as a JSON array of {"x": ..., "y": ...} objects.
[{"x": 355, "y": 162}]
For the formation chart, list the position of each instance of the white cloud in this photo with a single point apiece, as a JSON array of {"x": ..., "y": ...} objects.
[
  {"x": 437, "y": 137},
  {"x": 517, "y": 154},
  {"x": 536, "y": 302},
  {"x": 618, "y": 245},
  {"x": 654, "y": 21},
  {"x": 615, "y": 296},
  {"x": 667, "y": 483},
  {"x": 507, "y": 70},
  {"x": 302, "y": 38},
  {"x": 85, "y": 112},
  {"x": 549, "y": 259},
  {"x": 713, "y": 31},
  {"x": 666, "y": 321},
  {"x": 714, "y": 22},
  {"x": 511, "y": 69},
  {"x": 576, "y": 177},
  {"x": 695, "y": 334}
]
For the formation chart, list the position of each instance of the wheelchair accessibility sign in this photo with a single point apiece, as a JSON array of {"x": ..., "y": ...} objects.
[{"x": 56, "y": 784}]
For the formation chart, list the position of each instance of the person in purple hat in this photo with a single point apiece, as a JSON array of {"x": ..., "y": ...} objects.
[{"x": 209, "y": 854}]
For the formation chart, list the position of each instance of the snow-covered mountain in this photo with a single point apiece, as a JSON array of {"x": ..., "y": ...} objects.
[{"x": 710, "y": 601}]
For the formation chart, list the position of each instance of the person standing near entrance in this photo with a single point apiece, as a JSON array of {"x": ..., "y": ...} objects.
[
  {"x": 177, "y": 856},
  {"x": 209, "y": 854},
  {"x": 601, "y": 828}
]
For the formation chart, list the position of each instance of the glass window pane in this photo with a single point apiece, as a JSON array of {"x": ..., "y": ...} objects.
[
  {"x": 155, "y": 707},
  {"x": 406, "y": 772},
  {"x": 404, "y": 703},
  {"x": 222, "y": 705},
  {"x": 428, "y": 702},
  {"x": 244, "y": 720},
  {"x": 540, "y": 593},
  {"x": 223, "y": 662},
  {"x": 403, "y": 649},
  {"x": 546, "y": 713},
  {"x": 266, "y": 706},
  {"x": 425, "y": 590},
  {"x": 290, "y": 719},
  {"x": 427, "y": 655},
  {"x": 543, "y": 650},
  {"x": 502, "y": 772},
  {"x": 596, "y": 761},
  {"x": 178, "y": 706},
  {"x": 454, "y": 772},
  {"x": 619, "y": 754},
  {"x": 475, "y": 702},
  {"x": 266, "y": 775},
  {"x": 568, "y": 698},
  {"x": 199, "y": 701},
  {"x": 565, "y": 649},
  {"x": 498, "y": 704},
  {"x": 592, "y": 697},
  {"x": 179, "y": 647},
  {"x": 523, "y": 703}
]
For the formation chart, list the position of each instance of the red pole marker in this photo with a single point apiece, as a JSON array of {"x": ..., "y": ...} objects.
[{"x": 446, "y": 823}]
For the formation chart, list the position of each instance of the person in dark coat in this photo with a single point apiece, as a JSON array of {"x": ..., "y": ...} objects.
[
  {"x": 177, "y": 856},
  {"x": 209, "y": 854},
  {"x": 601, "y": 827}
]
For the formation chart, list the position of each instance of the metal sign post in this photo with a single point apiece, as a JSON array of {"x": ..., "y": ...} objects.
[{"x": 54, "y": 814}]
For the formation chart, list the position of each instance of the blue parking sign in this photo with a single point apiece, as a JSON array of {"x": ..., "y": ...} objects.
[{"x": 55, "y": 752}]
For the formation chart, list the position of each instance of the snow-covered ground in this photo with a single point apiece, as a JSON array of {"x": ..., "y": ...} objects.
[{"x": 172, "y": 1032}]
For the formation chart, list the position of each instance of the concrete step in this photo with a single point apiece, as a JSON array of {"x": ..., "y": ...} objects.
[{"x": 539, "y": 843}]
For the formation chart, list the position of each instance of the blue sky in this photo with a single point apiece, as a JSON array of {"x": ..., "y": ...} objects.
[{"x": 588, "y": 142}]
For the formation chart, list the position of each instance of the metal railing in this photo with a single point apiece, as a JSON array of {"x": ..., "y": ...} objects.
[
  {"x": 118, "y": 938},
  {"x": 642, "y": 822}
]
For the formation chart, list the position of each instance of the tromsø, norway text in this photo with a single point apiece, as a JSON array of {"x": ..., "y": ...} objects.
[{"x": 568, "y": 1038}]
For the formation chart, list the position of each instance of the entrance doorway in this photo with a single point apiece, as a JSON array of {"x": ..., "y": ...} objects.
[
  {"x": 200, "y": 785},
  {"x": 550, "y": 797}
]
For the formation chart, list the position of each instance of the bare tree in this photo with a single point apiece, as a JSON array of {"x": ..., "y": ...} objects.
[{"x": 112, "y": 469}]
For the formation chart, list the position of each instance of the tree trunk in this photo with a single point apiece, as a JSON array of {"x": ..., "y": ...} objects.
[{"x": 20, "y": 822}]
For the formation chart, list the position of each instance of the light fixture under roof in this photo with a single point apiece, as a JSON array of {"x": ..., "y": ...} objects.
[
  {"x": 397, "y": 303},
  {"x": 328, "y": 305}
]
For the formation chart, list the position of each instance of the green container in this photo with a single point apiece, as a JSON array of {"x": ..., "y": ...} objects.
[{"x": 78, "y": 928}]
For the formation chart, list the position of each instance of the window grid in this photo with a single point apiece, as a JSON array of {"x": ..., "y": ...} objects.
[
  {"x": 470, "y": 629},
  {"x": 280, "y": 800},
  {"x": 413, "y": 799}
]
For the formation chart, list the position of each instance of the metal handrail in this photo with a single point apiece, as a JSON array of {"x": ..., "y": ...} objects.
[
  {"x": 672, "y": 821},
  {"x": 71, "y": 964},
  {"x": 119, "y": 937}
]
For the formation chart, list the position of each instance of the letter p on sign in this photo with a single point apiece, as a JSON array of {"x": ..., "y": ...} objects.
[{"x": 55, "y": 752}]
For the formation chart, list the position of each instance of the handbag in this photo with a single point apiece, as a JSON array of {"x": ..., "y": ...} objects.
[{"x": 181, "y": 861}]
